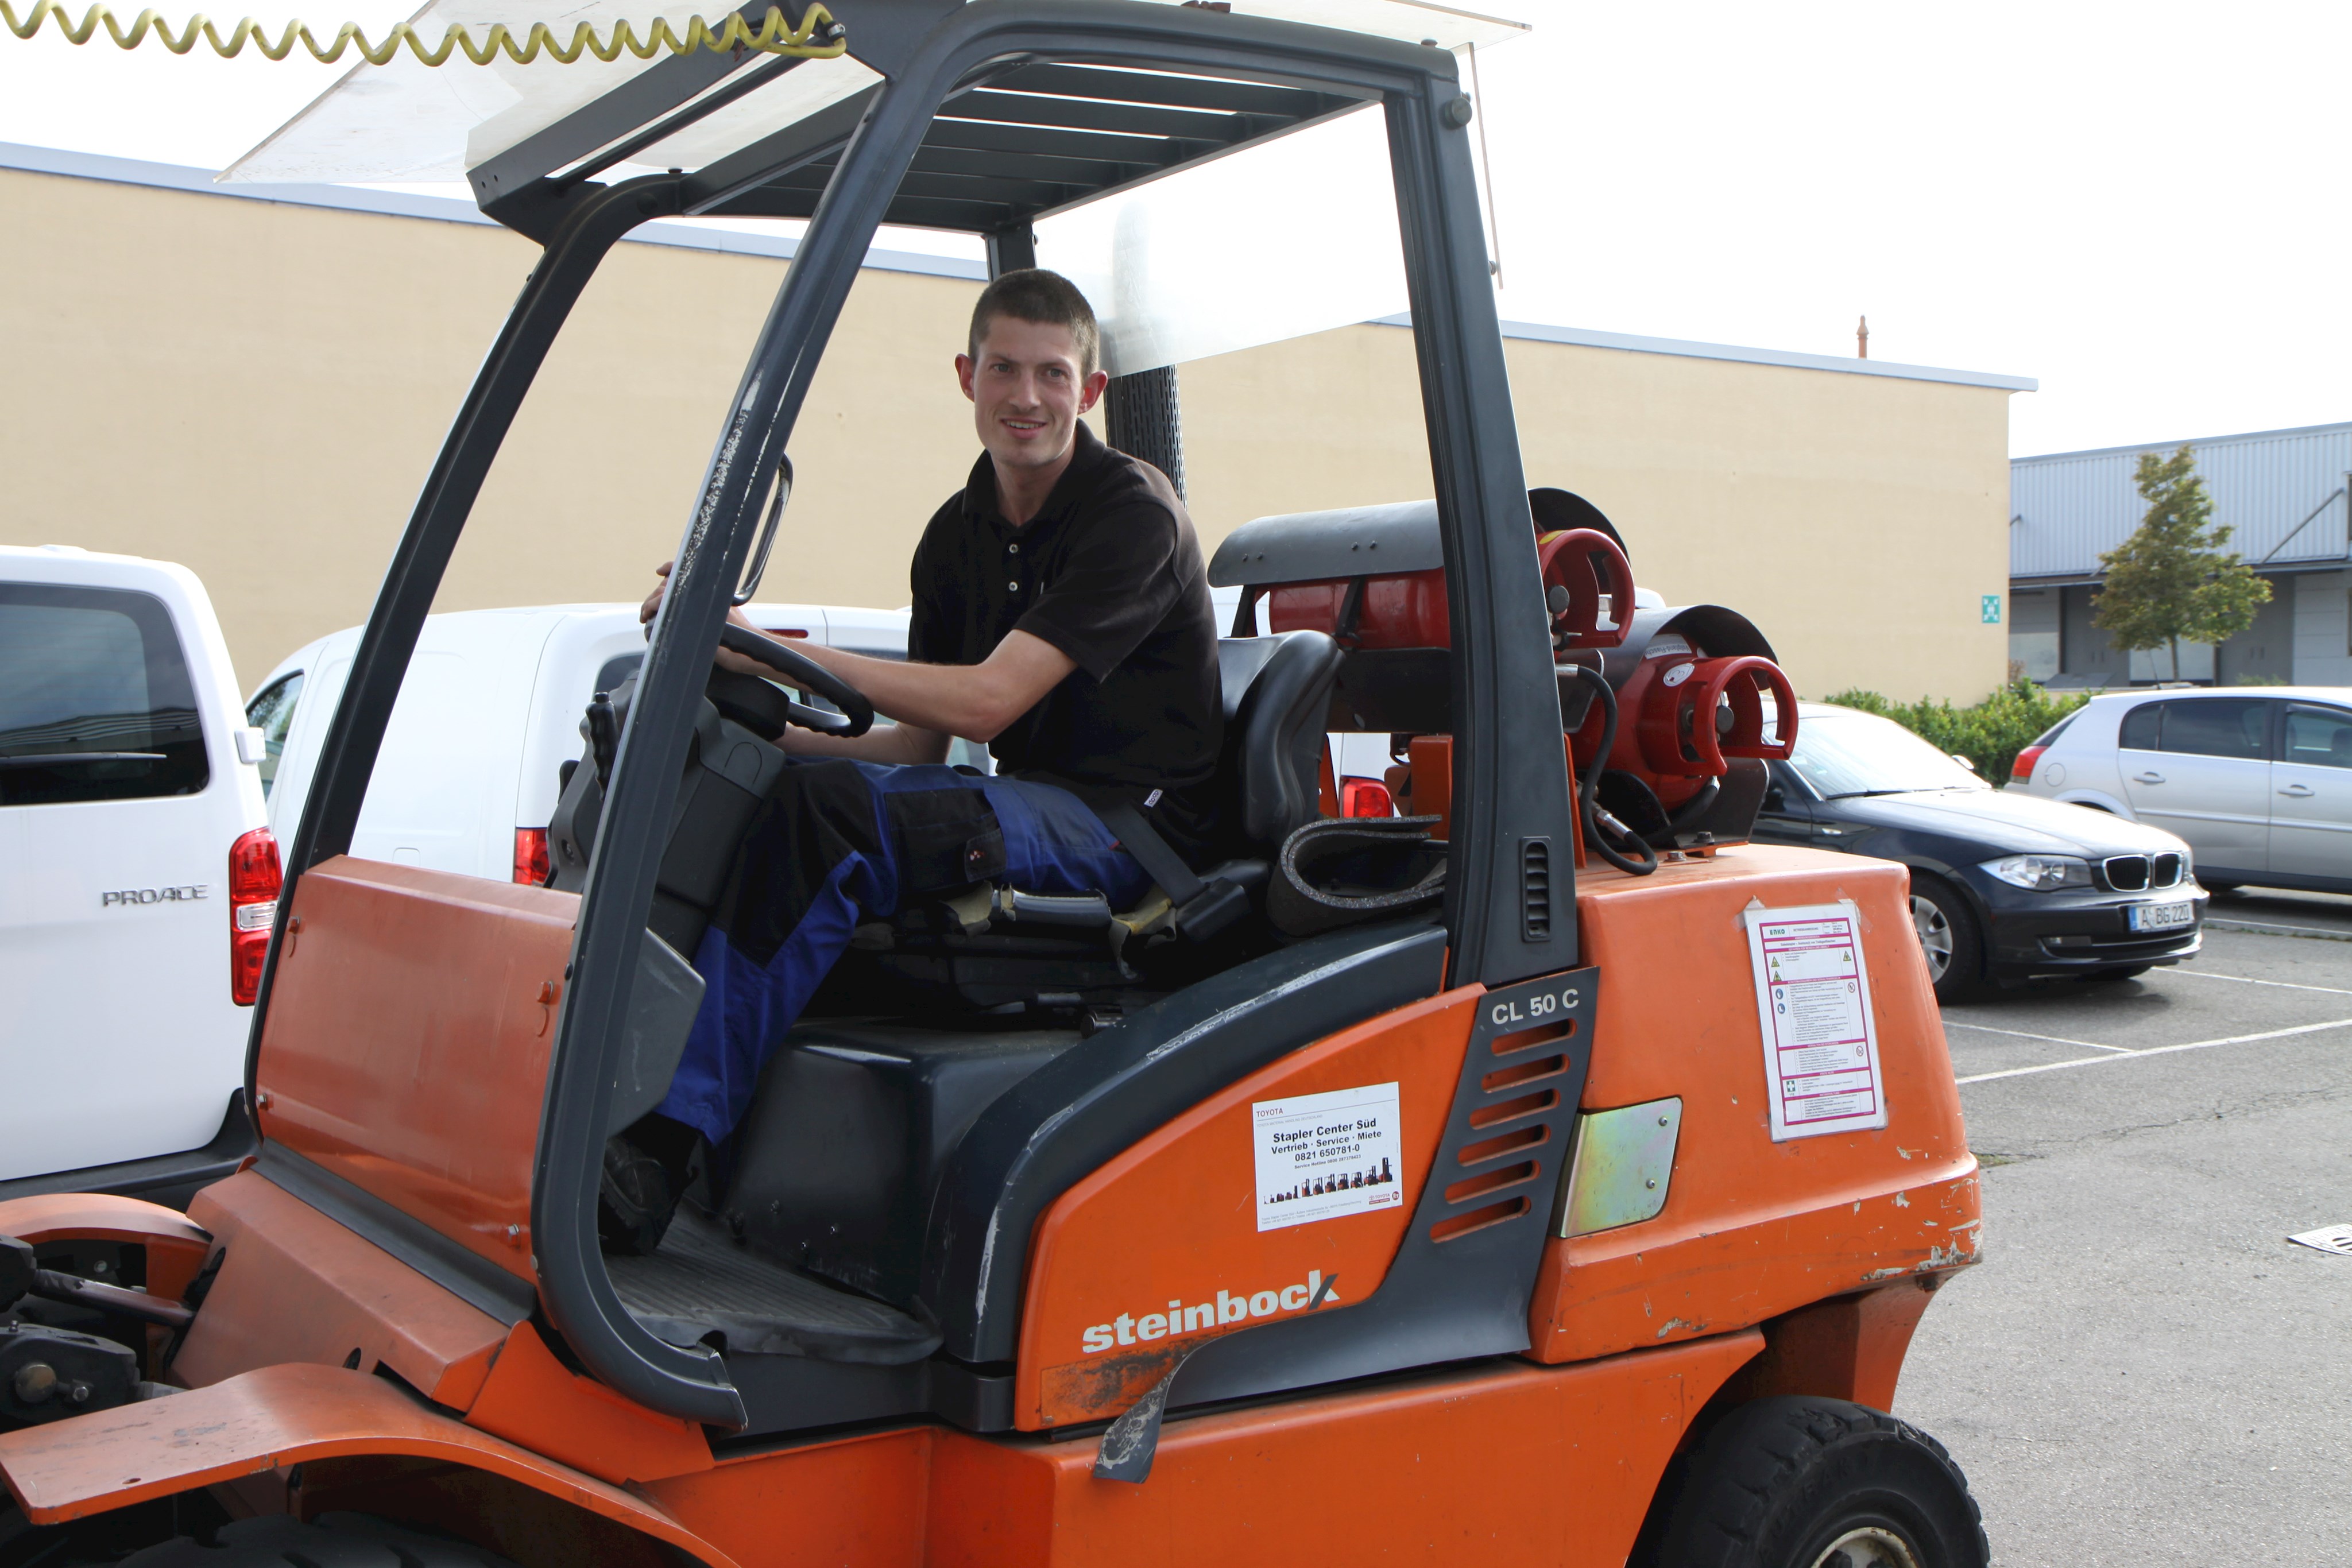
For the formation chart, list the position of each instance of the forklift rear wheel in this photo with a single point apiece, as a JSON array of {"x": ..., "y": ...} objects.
[
  {"x": 1794, "y": 1482},
  {"x": 1949, "y": 938}
]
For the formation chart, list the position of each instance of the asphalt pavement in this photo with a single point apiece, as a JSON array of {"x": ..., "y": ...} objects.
[
  {"x": 2275, "y": 913},
  {"x": 2144, "y": 1370}
]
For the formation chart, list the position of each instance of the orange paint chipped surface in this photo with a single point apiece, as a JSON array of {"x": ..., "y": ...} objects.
[
  {"x": 1506, "y": 1463},
  {"x": 271, "y": 1419},
  {"x": 1159, "y": 1250},
  {"x": 408, "y": 1041},
  {"x": 1752, "y": 1228},
  {"x": 296, "y": 1286}
]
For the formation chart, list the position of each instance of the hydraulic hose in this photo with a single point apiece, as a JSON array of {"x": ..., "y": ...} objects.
[
  {"x": 818, "y": 37},
  {"x": 1588, "y": 789}
]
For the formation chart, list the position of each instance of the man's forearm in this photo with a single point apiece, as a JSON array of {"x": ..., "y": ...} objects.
[
  {"x": 886, "y": 743},
  {"x": 974, "y": 701}
]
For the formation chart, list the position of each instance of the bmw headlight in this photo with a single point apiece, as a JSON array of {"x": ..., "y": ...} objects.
[{"x": 2040, "y": 874}]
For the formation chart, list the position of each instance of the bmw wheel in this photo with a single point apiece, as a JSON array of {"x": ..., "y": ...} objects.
[{"x": 1949, "y": 940}]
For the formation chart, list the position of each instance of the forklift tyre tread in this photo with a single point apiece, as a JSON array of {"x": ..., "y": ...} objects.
[
  {"x": 1782, "y": 1481},
  {"x": 330, "y": 1541}
]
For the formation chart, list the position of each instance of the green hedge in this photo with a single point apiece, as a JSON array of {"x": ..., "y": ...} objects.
[{"x": 1990, "y": 735}]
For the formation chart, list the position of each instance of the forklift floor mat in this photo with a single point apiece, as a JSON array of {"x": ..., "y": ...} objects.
[{"x": 701, "y": 1281}]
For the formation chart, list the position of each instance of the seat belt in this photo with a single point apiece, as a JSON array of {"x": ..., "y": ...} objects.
[{"x": 1202, "y": 908}]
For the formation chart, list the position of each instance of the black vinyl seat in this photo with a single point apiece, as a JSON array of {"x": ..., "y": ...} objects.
[
  {"x": 1005, "y": 951},
  {"x": 1277, "y": 692}
]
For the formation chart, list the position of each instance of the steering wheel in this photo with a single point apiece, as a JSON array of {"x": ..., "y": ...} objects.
[{"x": 856, "y": 715}]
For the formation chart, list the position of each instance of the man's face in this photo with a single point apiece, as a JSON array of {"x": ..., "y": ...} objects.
[{"x": 1027, "y": 390}]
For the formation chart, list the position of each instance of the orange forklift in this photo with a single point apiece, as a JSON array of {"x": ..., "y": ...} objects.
[{"x": 1546, "y": 1175}]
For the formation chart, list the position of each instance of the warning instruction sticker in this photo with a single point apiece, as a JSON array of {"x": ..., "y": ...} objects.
[
  {"x": 1323, "y": 1156},
  {"x": 1820, "y": 1038}
]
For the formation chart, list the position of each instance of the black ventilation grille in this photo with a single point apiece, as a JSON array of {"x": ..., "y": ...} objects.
[
  {"x": 1462, "y": 1277},
  {"x": 1535, "y": 888}
]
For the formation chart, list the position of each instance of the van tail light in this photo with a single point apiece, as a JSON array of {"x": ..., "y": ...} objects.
[
  {"x": 530, "y": 856},
  {"x": 1366, "y": 797},
  {"x": 254, "y": 881},
  {"x": 2021, "y": 770}
]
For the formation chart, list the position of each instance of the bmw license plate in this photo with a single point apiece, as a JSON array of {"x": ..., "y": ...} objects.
[{"x": 2162, "y": 916}]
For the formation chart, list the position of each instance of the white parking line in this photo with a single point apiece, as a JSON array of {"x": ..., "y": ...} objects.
[
  {"x": 2020, "y": 1034},
  {"x": 2160, "y": 1051},
  {"x": 2245, "y": 980},
  {"x": 2261, "y": 925}
]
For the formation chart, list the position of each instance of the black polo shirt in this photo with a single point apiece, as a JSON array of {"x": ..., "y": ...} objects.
[{"x": 1110, "y": 572}]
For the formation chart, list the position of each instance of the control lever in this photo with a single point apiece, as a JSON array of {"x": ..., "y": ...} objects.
[{"x": 604, "y": 736}]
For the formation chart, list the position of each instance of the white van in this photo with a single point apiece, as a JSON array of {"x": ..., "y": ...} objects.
[
  {"x": 489, "y": 711},
  {"x": 136, "y": 879}
]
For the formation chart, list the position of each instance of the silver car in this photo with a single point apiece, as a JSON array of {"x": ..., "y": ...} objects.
[{"x": 2258, "y": 779}]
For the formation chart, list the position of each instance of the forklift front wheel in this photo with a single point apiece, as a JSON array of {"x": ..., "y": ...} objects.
[{"x": 1795, "y": 1482}]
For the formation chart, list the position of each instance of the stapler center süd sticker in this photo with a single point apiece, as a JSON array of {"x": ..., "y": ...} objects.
[{"x": 1323, "y": 1156}]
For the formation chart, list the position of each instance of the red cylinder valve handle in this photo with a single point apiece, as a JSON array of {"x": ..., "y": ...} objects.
[
  {"x": 1580, "y": 566},
  {"x": 1698, "y": 712}
]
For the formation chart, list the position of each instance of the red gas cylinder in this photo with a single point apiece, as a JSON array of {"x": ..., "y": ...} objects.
[
  {"x": 1585, "y": 577},
  {"x": 1689, "y": 714}
]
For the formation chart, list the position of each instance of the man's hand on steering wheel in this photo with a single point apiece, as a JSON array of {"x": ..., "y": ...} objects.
[
  {"x": 744, "y": 649},
  {"x": 724, "y": 657}
]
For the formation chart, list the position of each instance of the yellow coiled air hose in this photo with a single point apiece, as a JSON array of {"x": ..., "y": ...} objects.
[{"x": 818, "y": 37}]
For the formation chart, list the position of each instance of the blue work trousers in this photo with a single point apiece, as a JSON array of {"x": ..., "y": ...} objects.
[{"x": 1052, "y": 843}]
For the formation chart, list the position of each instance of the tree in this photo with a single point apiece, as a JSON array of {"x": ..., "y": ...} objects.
[{"x": 2172, "y": 582}]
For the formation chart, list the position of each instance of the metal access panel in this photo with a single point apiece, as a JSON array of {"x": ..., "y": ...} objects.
[{"x": 1623, "y": 1167}]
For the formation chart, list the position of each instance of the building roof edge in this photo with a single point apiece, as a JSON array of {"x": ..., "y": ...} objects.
[
  {"x": 1627, "y": 343},
  {"x": 435, "y": 209},
  {"x": 2339, "y": 426}
]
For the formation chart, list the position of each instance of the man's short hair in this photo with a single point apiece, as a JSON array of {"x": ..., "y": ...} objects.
[{"x": 1047, "y": 299}]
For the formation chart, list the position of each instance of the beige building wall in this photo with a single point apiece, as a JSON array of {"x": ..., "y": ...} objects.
[{"x": 258, "y": 390}]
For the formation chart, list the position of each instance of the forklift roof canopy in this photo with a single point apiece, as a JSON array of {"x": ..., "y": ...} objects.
[{"x": 405, "y": 121}]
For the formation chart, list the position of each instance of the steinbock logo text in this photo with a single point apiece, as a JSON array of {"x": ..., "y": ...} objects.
[{"x": 1227, "y": 1309}]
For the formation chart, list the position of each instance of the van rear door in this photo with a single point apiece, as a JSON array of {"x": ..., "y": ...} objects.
[{"x": 119, "y": 1040}]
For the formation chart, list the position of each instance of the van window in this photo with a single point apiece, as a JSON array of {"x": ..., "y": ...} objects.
[
  {"x": 272, "y": 713},
  {"x": 95, "y": 699},
  {"x": 2218, "y": 726},
  {"x": 2141, "y": 727},
  {"x": 2318, "y": 737},
  {"x": 615, "y": 670}
]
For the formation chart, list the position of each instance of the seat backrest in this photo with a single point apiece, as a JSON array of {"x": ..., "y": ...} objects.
[{"x": 1277, "y": 692}]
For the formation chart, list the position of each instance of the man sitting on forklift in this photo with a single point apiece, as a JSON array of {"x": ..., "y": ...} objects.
[{"x": 1061, "y": 615}]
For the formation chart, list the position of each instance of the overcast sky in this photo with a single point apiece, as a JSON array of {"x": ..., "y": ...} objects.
[{"x": 2143, "y": 206}]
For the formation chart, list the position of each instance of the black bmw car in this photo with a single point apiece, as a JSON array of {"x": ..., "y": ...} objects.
[{"x": 2005, "y": 886}]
